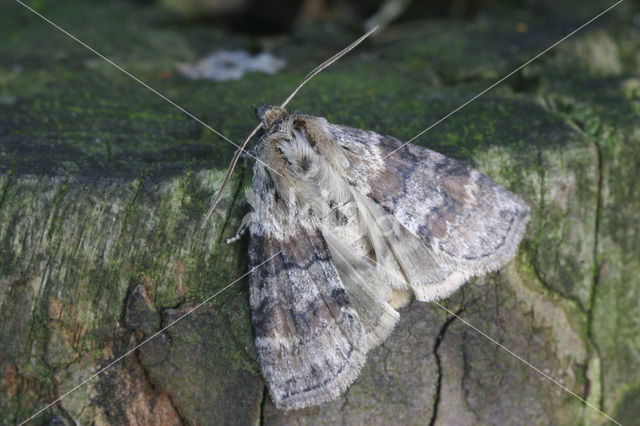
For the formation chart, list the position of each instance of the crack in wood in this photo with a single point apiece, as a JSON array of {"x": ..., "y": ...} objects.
[{"x": 436, "y": 346}]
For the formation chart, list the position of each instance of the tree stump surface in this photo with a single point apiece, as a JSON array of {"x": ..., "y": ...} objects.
[{"x": 103, "y": 187}]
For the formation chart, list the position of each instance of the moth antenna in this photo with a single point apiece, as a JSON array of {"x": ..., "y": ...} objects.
[
  {"x": 304, "y": 81},
  {"x": 327, "y": 63},
  {"x": 230, "y": 170}
]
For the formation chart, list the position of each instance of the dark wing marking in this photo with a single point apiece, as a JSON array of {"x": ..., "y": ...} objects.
[
  {"x": 309, "y": 338},
  {"x": 471, "y": 224}
]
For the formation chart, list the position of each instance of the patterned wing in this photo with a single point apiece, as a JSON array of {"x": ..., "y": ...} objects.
[
  {"x": 309, "y": 338},
  {"x": 471, "y": 224}
]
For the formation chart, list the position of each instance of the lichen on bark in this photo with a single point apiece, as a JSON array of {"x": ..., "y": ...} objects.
[{"x": 103, "y": 188}]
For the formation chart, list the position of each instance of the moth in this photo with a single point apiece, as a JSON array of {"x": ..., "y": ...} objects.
[{"x": 346, "y": 226}]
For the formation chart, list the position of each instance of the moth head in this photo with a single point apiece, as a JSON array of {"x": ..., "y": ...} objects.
[{"x": 270, "y": 115}]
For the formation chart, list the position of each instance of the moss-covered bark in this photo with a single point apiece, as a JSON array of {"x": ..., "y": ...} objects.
[{"x": 103, "y": 187}]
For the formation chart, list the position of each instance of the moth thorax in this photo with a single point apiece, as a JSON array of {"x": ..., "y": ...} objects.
[{"x": 273, "y": 115}]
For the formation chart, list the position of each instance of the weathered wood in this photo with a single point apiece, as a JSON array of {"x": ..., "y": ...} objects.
[{"x": 103, "y": 186}]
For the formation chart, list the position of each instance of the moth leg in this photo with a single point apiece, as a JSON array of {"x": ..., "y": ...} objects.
[{"x": 243, "y": 229}]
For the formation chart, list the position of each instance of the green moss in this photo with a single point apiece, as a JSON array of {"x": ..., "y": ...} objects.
[
  {"x": 627, "y": 410},
  {"x": 103, "y": 186}
]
